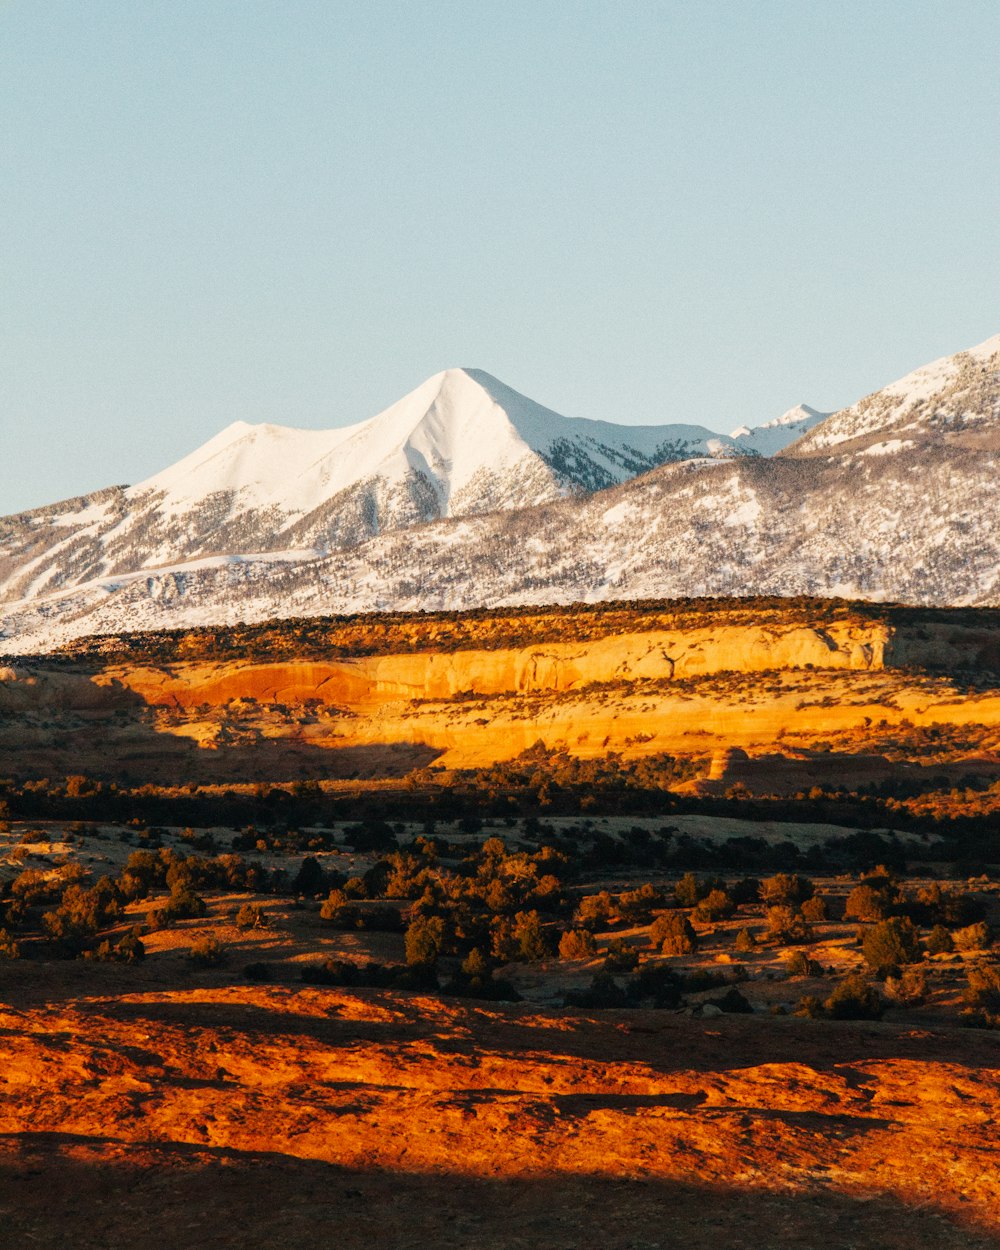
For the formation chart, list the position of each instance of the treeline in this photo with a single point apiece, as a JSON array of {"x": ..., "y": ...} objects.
[
  {"x": 960, "y": 825},
  {"x": 379, "y": 633}
]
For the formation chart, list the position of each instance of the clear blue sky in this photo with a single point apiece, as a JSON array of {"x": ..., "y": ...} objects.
[{"x": 296, "y": 210}]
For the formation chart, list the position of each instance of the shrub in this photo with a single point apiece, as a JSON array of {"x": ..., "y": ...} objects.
[
  {"x": 9, "y": 949},
  {"x": 621, "y": 957},
  {"x": 183, "y": 904},
  {"x": 868, "y": 903},
  {"x": 529, "y": 936},
  {"x": 207, "y": 952},
  {"x": 909, "y": 989},
  {"x": 983, "y": 988},
  {"x": 746, "y": 890},
  {"x": 637, "y": 906},
  {"x": 674, "y": 934},
  {"x": 814, "y": 909},
  {"x": 595, "y": 909},
  {"x": 939, "y": 941},
  {"x": 733, "y": 1003},
  {"x": 383, "y": 976},
  {"x": 657, "y": 982},
  {"x": 744, "y": 941},
  {"x": 424, "y": 941},
  {"x": 798, "y": 964},
  {"x": 974, "y": 937},
  {"x": 855, "y": 998},
  {"x": 258, "y": 971},
  {"x": 890, "y": 944},
  {"x": 787, "y": 927},
  {"x": 785, "y": 889},
  {"x": 577, "y": 944},
  {"x": 604, "y": 991},
  {"x": 689, "y": 891},
  {"x": 475, "y": 964},
  {"x": 503, "y": 943},
  {"x": 374, "y": 835},
  {"x": 250, "y": 916},
  {"x": 716, "y": 905}
]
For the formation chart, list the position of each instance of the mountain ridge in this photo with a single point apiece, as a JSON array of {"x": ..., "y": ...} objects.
[{"x": 891, "y": 499}]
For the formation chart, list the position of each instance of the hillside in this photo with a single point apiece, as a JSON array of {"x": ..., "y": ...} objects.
[
  {"x": 382, "y": 697},
  {"x": 462, "y": 443},
  {"x": 467, "y": 495}
]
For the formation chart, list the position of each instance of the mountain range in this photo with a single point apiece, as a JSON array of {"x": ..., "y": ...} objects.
[{"x": 466, "y": 493}]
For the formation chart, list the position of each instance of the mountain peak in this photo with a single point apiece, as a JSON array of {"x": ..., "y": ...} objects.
[{"x": 955, "y": 398}]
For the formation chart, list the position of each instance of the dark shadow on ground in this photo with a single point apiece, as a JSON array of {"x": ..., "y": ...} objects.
[{"x": 61, "y": 1191}]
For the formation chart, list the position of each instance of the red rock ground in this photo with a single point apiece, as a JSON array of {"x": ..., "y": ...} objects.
[{"x": 233, "y": 1116}]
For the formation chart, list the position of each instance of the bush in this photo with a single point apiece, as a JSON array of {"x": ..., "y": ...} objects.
[
  {"x": 424, "y": 941},
  {"x": 657, "y": 982},
  {"x": 529, "y": 936},
  {"x": 909, "y": 989},
  {"x": 689, "y": 891},
  {"x": 890, "y": 944},
  {"x": 621, "y": 957},
  {"x": 577, "y": 944},
  {"x": 9, "y": 949},
  {"x": 381, "y": 976},
  {"x": 595, "y": 909},
  {"x": 674, "y": 934},
  {"x": 604, "y": 991},
  {"x": 207, "y": 952},
  {"x": 983, "y": 988},
  {"x": 855, "y": 998},
  {"x": 250, "y": 916},
  {"x": 258, "y": 972},
  {"x": 183, "y": 904},
  {"x": 939, "y": 941},
  {"x": 814, "y": 909},
  {"x": 637, "y": 906},
  {"x": 475, "y": 965},
  {"x": 798, "y": 964},
  {"x": 716, "y": 905},
  {"x": 733, "y": 1003},
  {"x": 744, "y": 941},
  {"x": 787, "y": 927},
  {"x": 867, "y": 903},
  {"x": 974, "y": 937},
  {"x": 785, "y": 889}
]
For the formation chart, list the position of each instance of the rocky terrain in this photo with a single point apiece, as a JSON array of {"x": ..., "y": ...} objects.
[
  {"x": 332, "y": 699},
  {"x": 268, "y": 1117},
  {"x": 266, "y": 1114}
]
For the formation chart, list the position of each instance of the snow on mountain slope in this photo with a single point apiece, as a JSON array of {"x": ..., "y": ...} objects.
[
  {"x": 776, "y": 435},
  {"x": 459, "y": 444},
  {"x": 954, "y": 399},
  {"x": 894, "y": 498},
  {"x": 456, "y": 430},
  {"x": 905, "y": 527}
]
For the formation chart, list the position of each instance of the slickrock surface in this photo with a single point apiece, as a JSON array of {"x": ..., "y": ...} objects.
[{"x": 245, "y": 1116}]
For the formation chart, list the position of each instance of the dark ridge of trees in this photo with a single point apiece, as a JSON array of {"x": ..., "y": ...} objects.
[{"x": 378, "y": 633}]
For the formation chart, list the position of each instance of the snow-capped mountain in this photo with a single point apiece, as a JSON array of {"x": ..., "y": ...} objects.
[
  {"x": 462, "y": 443},
  {"x": 893, "y": 498},
  {"x": 776, "y": 435},
  {"x": 954, "y": 401}
]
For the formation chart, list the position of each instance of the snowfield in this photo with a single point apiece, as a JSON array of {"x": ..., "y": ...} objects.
[{"x": 467, "y": 494}]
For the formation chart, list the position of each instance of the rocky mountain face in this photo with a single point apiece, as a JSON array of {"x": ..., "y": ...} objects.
[
  {"x": 461, "y": 444},
  {"x": 466, "y": 494}
]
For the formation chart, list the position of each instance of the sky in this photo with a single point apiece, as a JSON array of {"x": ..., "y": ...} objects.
[{"x": 297, "y": 210}]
